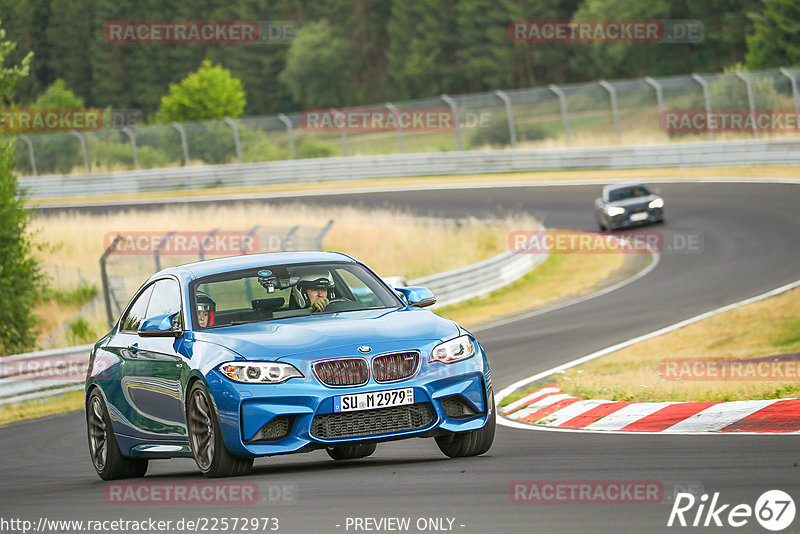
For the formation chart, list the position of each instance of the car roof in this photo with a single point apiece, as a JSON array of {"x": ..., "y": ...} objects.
[{"x": 249, "y": 261}]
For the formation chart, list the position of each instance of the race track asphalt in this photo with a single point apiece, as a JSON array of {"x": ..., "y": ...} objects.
[{"x": 750, "y": 235}]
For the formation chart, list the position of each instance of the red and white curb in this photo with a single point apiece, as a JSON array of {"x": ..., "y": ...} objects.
[{"x": 549, "y": 407}]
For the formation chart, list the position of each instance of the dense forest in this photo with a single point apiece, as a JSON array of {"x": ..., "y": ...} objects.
[{"x": 369, "y": 51}]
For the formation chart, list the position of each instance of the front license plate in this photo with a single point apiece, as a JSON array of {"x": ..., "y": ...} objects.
[
  {"x": 635, "y": 217},
  {"x": 373, "y": 400}
]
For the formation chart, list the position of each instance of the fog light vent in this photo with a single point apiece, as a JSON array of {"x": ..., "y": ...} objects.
[
  {"x": 277, "y": 428},
  {"x": 456, "y": 407}
]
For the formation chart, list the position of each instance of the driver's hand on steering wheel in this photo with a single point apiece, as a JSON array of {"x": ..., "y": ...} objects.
[{"x": 320, "y": 304}]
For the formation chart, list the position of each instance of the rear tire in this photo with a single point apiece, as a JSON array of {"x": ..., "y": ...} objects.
[
  {"x": 209, "y": 451},
  {"x": 107, "y": 459},
  {"x": 351, "y": 452},
  {"x": 470, "y": 443}
]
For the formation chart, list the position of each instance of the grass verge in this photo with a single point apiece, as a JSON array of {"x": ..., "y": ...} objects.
[
  {"x": 748, "y": 335},
  {"x": 559, "y": 277},
  {"x": 68, "y": 402}
]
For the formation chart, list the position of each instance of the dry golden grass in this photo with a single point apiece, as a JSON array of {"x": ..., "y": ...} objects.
[
  {"x": 765, "y": 328},
  {"x": 542, "y": 176},
  {"x": 68, "y": 402},
  {"x": 394, "y": 243},
  {"x": 560, "y": 276}
]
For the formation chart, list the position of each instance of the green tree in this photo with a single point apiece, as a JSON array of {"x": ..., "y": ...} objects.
[
  {"x": 319, "y": 66},
  {"x": 774, "y": 41},
  {"x": 20, "y": 277},
  {"x": 58, "y": 96},
  {"x": 209, "y": 93}
]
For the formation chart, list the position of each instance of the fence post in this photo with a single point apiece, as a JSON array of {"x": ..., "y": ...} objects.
[
  {"x": 707, "y": 99},
  {"x": 157, "y": 250},
  {"x": 30, "y": 151},
  {"x": 288, "y": 237},
  {"x": 323, "y": 233},
  {"x": 454, "y": 108},
  {"x": 792, "y": 79},
  {"x": 104, "y": 278},
  {"x": 614, "y": 111},
  {"x": 512, "y": 131},
  {"x": 236, "y": 141},
  {"x": 290, "y": 131},
  {"x": 342, "y": 132},
  {"x": 391, "y": 107},
  {"x": 127, "y": 131},
  {"x": 82, "y": 141},
  {"x": 209, "y": 234},
  {"x": 750, "y": 100},
  {"x": 184, "y": 146},
  {"x": 250, "y": 234},
  {"x": 660, "y": 101},
  {"x": 562, "y": 99}
]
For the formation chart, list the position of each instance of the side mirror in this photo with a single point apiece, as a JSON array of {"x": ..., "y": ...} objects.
[
  {"x": 417, "y": 296},
  {"x": 160, "y": 326}
]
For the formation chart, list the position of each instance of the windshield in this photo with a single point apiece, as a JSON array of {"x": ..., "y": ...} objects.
[
  {"x": 624, "y": 193},
  {"x": 278, "y": 292}
]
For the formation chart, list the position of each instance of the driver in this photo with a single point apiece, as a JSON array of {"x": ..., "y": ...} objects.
[
  {"x": 313, "y": 292},
  {"x": 205, "y": 310}
]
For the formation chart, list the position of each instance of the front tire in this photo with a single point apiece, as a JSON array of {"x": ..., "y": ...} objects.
[
  {"x": 107, "y": 459},
  {"x": 209, "y": 451},
  {"x": 351, "y": 452},
  {"x": 470, "y": 443}
]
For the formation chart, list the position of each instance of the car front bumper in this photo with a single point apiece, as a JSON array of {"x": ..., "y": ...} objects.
[{"x": 306, "y": 407}]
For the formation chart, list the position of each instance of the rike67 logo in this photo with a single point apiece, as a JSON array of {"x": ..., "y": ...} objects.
[{"x": 774, "y": 510}]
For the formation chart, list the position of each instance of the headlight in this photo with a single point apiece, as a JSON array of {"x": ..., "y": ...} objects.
[
  {"x": 259, "y": 372},
  {"x": 657, "y": 203},
  {"x": 454, "y": 350},
  {"x": 615, "y": 210}
]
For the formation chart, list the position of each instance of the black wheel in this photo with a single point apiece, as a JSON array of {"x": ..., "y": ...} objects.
[
  {"x": 205, "y": 438},
  {"x": 351, "y": 452},
  {"x": 471, "y": 443},
  {"x": 107, "y": 459}
]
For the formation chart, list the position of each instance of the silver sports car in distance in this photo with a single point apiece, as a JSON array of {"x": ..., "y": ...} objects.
[{"x": 625, "y": 205}]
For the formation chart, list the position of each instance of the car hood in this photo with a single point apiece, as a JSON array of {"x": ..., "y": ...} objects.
[{"x": 332, "y": 334}]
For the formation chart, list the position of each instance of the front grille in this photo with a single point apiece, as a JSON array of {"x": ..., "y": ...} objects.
[
  {"x": 344, "y": 372},
  {"x": 390, "y": 367},
  {"x": 455, "y": 407},
  {"x": 372, "y": 422},
  {"x": 276, "y": 429}
]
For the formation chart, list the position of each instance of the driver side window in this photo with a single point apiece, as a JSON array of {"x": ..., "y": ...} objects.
[{"x": 166, "y": 300}]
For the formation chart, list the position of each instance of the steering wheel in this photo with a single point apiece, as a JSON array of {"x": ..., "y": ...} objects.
[{"x": 337, "y": 304}]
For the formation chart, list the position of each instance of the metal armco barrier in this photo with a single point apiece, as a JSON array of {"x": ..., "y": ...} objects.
[{"x": 705, "y": 154}]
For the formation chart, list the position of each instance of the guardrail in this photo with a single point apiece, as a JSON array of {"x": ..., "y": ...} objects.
[
  {"x": 450, "y": 287},
  {"x": 705, "y": 154}
]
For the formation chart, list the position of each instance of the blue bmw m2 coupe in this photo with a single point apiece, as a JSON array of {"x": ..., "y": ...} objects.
[{"x": 228, "y": 359}]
